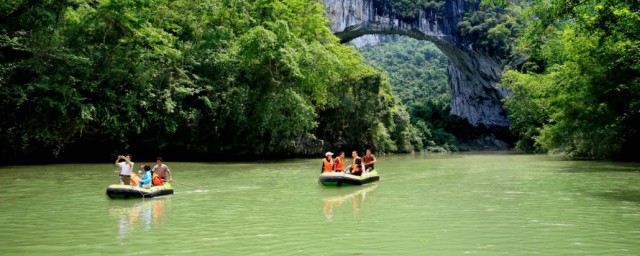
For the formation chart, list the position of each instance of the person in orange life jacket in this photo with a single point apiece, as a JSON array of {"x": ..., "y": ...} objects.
[
  {"x": 369, "y": 160},
  {"x": 162, "y": 169},
  {"x": 356, "y": 167},
  {"x": 156, "y": 180},
  {"x": 125, "y": 169},
  {"x": 339, "y": 162},
  {"x": 327, "y": 162}
]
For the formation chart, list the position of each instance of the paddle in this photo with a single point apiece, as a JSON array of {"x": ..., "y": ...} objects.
[
  {"x": 184, "y": 184},
  {"x": 348, "y": 170}
]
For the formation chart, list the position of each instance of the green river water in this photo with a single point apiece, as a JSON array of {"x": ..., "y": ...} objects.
[{"x": 453, "y": 204}]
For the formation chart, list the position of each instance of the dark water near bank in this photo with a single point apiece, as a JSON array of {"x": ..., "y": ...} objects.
[{"x": 478, "y": 204}]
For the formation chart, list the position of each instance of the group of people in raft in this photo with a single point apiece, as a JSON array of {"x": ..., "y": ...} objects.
[
  {"x": 357, "y": 167},
  {"x": 157, "y": 175},
  {"x": 151, "y": 177}
]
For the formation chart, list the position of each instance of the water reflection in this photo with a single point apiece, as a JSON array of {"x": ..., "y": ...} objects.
[
  {"x": 147, "y": 213},
  {"x": 347, "y": 196}
]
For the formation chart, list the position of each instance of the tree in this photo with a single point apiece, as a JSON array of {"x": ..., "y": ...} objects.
[{"x": 584, "y": 59}]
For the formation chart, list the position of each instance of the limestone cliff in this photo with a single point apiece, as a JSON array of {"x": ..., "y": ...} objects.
[
  {"x": 368, "y": 40},
  {"x": 474, "y": 75}
]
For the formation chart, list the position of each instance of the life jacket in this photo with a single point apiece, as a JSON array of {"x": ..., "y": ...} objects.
[
  {"x": 327, "y": 166},
  {"x": 135, "y": 180},
  {"x": 160, "y": 170},
  {"x": 157, "y": 180},
  {"x": 357, "y": 162},
  {"x": 339, "y": 164}
]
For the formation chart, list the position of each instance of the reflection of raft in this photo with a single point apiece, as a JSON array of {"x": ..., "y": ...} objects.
[
  {"x": 127, "y": 191},
  {"x": 346, "y": 193},
  {"x": 339, "y": 178}
]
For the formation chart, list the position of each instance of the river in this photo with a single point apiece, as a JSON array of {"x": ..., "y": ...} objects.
[{"x": 425, "y": 204}]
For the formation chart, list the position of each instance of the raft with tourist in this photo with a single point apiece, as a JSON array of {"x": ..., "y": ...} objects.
[
  {"x": 346, "y": 179},
  {"x": 360, "y": 172},
  {"x": 118, "y": 191},
  {"x": 141, "y": 185}
]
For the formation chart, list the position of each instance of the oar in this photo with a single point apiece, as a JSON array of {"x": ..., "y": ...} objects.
[
  {"x": 187, "y": 185},
  {"x": 348, "y": 170}
]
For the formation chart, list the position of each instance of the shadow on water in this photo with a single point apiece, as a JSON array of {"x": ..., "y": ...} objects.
[
  {"x": 587, "y": 166},
  {"x": 620, "y": 195}
]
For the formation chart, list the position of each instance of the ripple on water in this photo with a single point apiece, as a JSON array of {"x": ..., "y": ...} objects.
[{"x": 424, "y": 205}]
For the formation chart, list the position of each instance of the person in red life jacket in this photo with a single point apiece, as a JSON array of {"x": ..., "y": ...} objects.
[
  {"x": 369, "y": 160},
  {"x": 339, "y": 162},
  {"x": 162, "y": 169},
  {"x": 327, "y": 162},
  {"x": 356, "y": 167},
  {"x": 157, "y": 180}
]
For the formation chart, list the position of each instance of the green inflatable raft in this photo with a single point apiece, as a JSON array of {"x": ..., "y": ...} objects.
[
  {"x": 128, "y": 191},
  {"x": 344, "y": 179}
]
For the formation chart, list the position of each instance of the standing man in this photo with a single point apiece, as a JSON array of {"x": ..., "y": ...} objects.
[
  {"x": 125, "y": 169},
  {"x": 369, "y": 160},
  {"x": 162, "y": 169}
]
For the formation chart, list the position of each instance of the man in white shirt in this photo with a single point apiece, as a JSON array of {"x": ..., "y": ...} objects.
[{"x": 125, "y": 169}]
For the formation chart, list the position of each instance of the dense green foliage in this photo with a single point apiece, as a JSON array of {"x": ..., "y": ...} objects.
[
  {"x": 249, "y": 77},
  {"x": 492, "y": 29},
  {"x": 579, "y": 93},
  {"x": 418, "y": 73},
  {"x": 408, "y": 10},
  {"x": 185, "y": 76},
  {"x": 417, "y": 69}
]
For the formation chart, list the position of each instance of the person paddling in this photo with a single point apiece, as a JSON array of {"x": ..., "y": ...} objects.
[
  {"x": 369, "y": 160},
  {"x": 162, "y": 169},
  {"x": 327, "y": 162},
  {"x": 339, "y": 162}
]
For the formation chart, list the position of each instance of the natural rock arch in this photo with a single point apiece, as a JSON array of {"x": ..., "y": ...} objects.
[{"x": 474, "y": 74}]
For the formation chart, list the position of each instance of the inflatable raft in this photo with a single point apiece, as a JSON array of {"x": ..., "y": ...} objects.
[
  {"x": 128, "y": 191},
  {"x": 340, "y": 178}
]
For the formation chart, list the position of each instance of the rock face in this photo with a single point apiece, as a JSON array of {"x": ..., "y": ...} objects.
[
  {"x": 474, "y": 75},
  {"x": 368, "y": 40}
]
